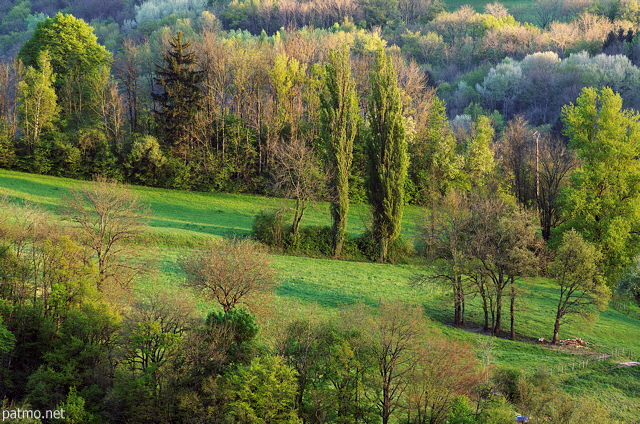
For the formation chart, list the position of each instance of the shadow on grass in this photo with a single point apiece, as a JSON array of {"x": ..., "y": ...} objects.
[{"x": 320, "y": 294}]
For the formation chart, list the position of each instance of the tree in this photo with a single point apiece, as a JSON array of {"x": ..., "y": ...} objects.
[
  {"x": 556, "y": 162},
  {"x": 479, "y": 164},
  {"x": 180, "y": 94},
  {"x": 575, "y": 269},
  {"x": 37, "y": 99},
  {"x": 339, "y": 119},
  {"x": 297, "y": 175},
  {"x": 229, "y": 272},
  {"x": 502, "y": 240},
  {"x": 603, "y": 197},
  {"x": 444, "y": 370},
  {"x": 76, "y": 59},
  {"x": 630, "y": 281},
  {"x": 387, "y": 154},
  {"x": 263, "y": 391},
  {"x": 446, "y": 237},
  {"x": 396, "y": 331},
  {"x": 109, "y": 217}
]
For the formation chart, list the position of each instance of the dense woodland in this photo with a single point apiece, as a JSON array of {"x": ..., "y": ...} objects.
[{"x": 518, "y": 138}]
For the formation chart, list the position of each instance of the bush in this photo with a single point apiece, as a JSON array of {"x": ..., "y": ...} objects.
[
  {"x": 398, "y": 249},
  {"x": 269, "y": 228}
]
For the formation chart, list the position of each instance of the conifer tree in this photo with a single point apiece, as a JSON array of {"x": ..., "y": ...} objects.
[
  {"x": 339, "y": 120},
  {"x": 387, "y": 154},
  {"x": 180, "y": 94}
]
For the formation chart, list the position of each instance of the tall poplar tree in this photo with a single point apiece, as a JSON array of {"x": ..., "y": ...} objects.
[
  {"x": 180, "y": 94},
  {"x": 387, "y": 154},
  {"x": 339, "y": 120}
]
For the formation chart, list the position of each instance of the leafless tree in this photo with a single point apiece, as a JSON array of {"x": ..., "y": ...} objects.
[
  {"x": 298, "y": 176},
  {"x": 109, "y": 216},
  {"x": 229, "y": 272},
  {"x": 556, "y": 164}
]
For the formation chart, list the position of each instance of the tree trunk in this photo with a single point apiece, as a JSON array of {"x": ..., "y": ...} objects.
[
  {"x": 556, "y": 328},
  {"x": 498, "y": 322},
  {"x": 384, "y": 248},
  {"x": 512, "y": 308}
]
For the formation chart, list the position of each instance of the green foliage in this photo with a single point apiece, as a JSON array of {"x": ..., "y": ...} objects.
[
  {"x": 262, "y": 392},
  {"x": 339, "y": 120},
  {"x": 180, "y": 95},
  {"x": 602, "y": 202},
  {"x": 387, "y": 154},
  {"x": 270, "y": 228},
  {"x": 243, "y": 328},
  {"x": 77, "y": 61},
  {"x": 37, "y": 99}
]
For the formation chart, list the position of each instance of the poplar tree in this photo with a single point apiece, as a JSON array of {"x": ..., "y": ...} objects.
[
  {"x": 387, "y": 154},
  {"x": 339, "y": 121},
  {"x": 180, "y": 94}
]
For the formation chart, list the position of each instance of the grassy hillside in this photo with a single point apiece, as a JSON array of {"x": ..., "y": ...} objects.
[
  {"x": 179, "y": 214},
  {"x": 311, "y": 286}
]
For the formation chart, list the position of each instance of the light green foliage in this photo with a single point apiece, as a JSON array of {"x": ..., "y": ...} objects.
[
  {"x": 262, "y": 393},
  {"x": 575, "y": 269},
  {"x": 387, "y": 153},
  {"x": 74, "y": 409},
  {"x": 630, "y": 281},
  {"x": 435, "y": 166},
  {"x": 7, "y": 339},
  {"x": 339, "y": 119},
  {"x": 156, "y": 10},
  {"x": 145, "y": 160},
  {"x": 603, "y": 200},
  {"x": 479, "y": 163},
  {"x": 77, "y": 61},
  {"x": 37, "y": 99}
]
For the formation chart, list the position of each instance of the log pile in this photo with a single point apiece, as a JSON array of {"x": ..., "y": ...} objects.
[{"x": 577, "y": 342}]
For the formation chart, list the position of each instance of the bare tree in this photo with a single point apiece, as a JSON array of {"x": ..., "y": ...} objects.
[
  {"x": 298, "y": 176},
  {"x": 502, "y": 240},
  {"x": 396, "y": 331},
  {"x": 445, "y": 369},
  {"x": 556, "y": 164},
  {"x": 109, "y": 217},
  {"x": 229, "y": 272}
]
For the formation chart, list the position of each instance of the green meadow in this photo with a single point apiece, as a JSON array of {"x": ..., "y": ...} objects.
[{"x": 320, "y": 287}]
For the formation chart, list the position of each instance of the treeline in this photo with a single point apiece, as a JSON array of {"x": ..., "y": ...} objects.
[{"x": 73, "y": 337}]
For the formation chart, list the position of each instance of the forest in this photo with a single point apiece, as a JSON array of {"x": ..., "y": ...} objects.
[{"x": 511, "y": 134}]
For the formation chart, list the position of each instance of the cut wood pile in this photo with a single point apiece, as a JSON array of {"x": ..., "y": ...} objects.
[{"x": 577, "y": 342}]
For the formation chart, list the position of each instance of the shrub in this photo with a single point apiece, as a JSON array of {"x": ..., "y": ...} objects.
[
  {"x": 398, "y": 249},
  {"x": 269, "y": 228}
]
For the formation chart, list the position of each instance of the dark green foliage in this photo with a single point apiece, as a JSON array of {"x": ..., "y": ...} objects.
[
  {"x": 270, "y": 228},
  {"x": 179, "y": 95},
  {"x": 243, "y": 328},
  {"x": 387, "y": 154},
  {"x": 368, "y": 245}
]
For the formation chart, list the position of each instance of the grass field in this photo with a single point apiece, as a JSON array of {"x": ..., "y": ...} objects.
[
  {"x": 521, "y": 10},
  {"x": 312, "y": 286}
]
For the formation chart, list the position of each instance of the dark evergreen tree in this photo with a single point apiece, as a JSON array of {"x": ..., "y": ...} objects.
[
  {"x": 339, "y": 122},
  {"x": 179, "y": 95},
  {"x": 387, "y": 154}
]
